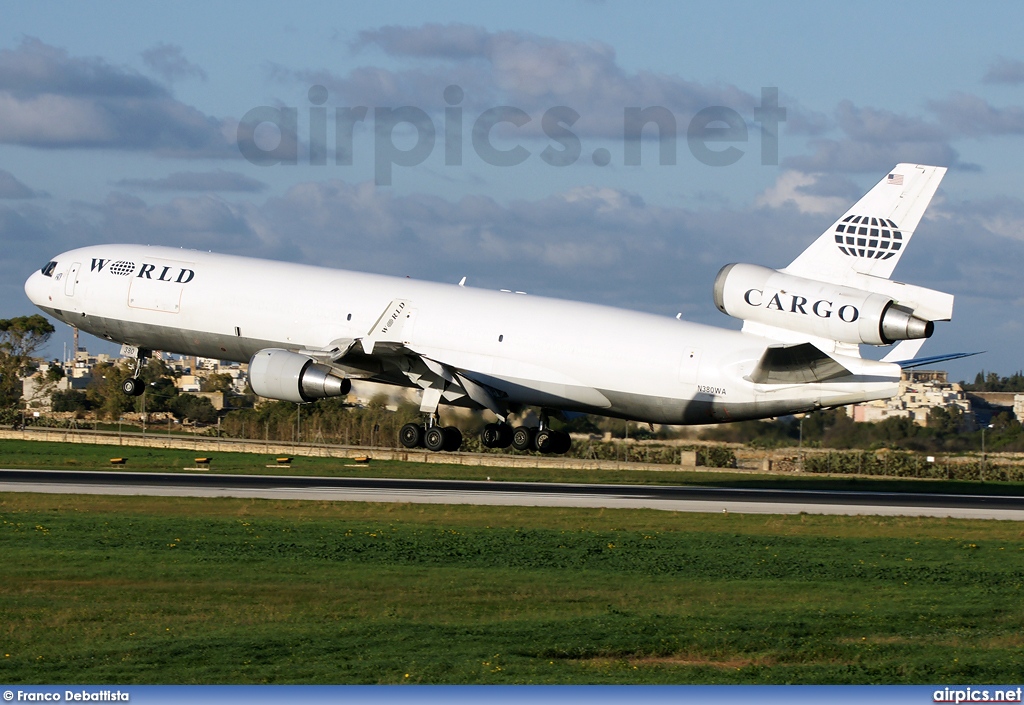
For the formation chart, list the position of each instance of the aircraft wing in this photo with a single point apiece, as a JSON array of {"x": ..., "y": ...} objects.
[{"x": 384, "y": 351}]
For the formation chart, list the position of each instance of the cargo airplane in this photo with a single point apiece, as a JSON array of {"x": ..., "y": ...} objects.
[{"x": 307, "y": 331}]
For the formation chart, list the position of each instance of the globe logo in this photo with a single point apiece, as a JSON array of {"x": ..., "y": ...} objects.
[
  {"x": 868, "y": 237},
  {"x": 122, "y": 268}
]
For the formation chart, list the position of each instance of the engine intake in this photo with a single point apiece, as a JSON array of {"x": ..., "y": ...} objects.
[
  {"x": 842, "y": 313},
  {"x": 276, "y": 373}
]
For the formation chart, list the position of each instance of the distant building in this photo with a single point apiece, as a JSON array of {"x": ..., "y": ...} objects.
[
  {"x": 990, "y": 404},
  {"x": 207, "y": 363},
  {"x": 187, "y": 383},
  {"x": 919, "y": 392},
  {"x": 1018, "y": 407},
  {"x": 216, "y": 399}
]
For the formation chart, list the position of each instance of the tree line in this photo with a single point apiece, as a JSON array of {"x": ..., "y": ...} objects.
[
  {"x": 21, "y": 338},
  {"x": 992, "y": 382},
  {"x": 944, "y": 433}
]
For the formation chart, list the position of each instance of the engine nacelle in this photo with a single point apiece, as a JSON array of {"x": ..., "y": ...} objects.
[
  {"x": 842, "y": 313},
  {"x": 281, "y": 374}
]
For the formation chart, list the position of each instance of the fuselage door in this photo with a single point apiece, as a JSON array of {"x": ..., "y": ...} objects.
[{"x": 71, "y": 278}]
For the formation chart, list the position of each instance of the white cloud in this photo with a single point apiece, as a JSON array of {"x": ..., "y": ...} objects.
[
  {"x": 169, "y": 62},
  {"x": 217, "y": 180},
  {"x": 11, "y": 188},
  {"x": 791, "y": 189},
  {"x": 1003, "y": 70},
  {"x": 972, "y": 116},
  {"x": 521, "y": 69},
  {"x": 50, "y": 99}
]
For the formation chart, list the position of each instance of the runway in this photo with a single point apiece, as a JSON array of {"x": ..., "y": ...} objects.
[{"x": 536, "y": 494}]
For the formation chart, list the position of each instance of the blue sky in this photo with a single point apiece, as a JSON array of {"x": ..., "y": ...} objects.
[{"x": 118, "y": 122}]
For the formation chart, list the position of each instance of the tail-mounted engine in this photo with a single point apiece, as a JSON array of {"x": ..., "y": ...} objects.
[
  {"x": 281, "y": 374},
  {"x": 876, "y": 311}
]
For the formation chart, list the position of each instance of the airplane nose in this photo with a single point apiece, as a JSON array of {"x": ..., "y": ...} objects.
[{"x": 37, "y": 289}]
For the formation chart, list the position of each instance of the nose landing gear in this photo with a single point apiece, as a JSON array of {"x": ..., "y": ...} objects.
[{"x": 134, "y": 386}]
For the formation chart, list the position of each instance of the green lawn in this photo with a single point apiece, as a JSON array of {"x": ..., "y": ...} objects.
[
  {"x": 179, "y": 590},
  {"x": 80, "y": 456}
]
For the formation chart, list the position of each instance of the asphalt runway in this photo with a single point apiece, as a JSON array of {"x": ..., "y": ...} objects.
[{"x": 532, "y": 494}]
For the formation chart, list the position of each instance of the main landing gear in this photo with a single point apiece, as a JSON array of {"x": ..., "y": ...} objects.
[
  {"x": 435, "y": 437},
  {"x": 431, "y": 436},
  {"x": 542, "y": 438}
]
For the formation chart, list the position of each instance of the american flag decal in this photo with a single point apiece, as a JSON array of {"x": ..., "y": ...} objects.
[{"x": 895, "y": 179}]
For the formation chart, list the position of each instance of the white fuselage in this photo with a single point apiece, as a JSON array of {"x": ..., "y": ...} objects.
[{"x": 539, "y": 351}]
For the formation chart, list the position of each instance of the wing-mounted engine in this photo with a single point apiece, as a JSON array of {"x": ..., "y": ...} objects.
[
  {"x": 864, "y": 309},
  {"x": 281, "y": 374}
]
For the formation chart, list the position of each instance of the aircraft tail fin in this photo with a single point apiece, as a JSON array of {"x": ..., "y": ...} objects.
[{"x": 871, "y": 236}]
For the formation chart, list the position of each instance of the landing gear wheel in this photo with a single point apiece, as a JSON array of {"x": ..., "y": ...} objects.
[
  {"x": 452, "y": 438},
  {"x": 433, "y": 439},
  {"x": 545, "y": 441},
  {"x": 564, "y": 443},
  {"x": 411, "y": 435},
  {"x": 132, "y": 387},
  {"x": 549, "y": 441},
  {"x": 522, "y": 437},
  {"x": 496, "y": 435},
  {"x": 490, "y": 435}
]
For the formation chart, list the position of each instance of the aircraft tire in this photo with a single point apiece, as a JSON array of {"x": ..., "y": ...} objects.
[
  {"x": 504, "y": 435},
  {"x": 522, "y": 437},
  {"x": 546, "y": 441},
  {"x": 564, "y": 443},
  {"x": 434, "y": 438},
  {"x": 411, "y": 435},
  {"x": 491, "y": 435},
  {"x": 452, "y": 438},
  {"x": 132, "y": 387},
  {"x": 496, "y": 435},
  {"x": 549, "y": 441}
]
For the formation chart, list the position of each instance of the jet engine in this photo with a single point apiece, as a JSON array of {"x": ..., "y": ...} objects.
[
  {"x": 281, "y": 374},
  {"x": 881, "y": 313}
]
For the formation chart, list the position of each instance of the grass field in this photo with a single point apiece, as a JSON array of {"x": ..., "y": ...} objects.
[
  {"x": 179, "y": 590},
  {"x": 80, "y": 456}
]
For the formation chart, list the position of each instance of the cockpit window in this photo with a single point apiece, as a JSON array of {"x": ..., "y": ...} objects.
[{"x": 48, "y": 269}]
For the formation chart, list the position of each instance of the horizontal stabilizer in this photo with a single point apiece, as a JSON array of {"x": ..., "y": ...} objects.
[
  {"x": 921, "y": 361},
  {"x": 795, "y": 364}
]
